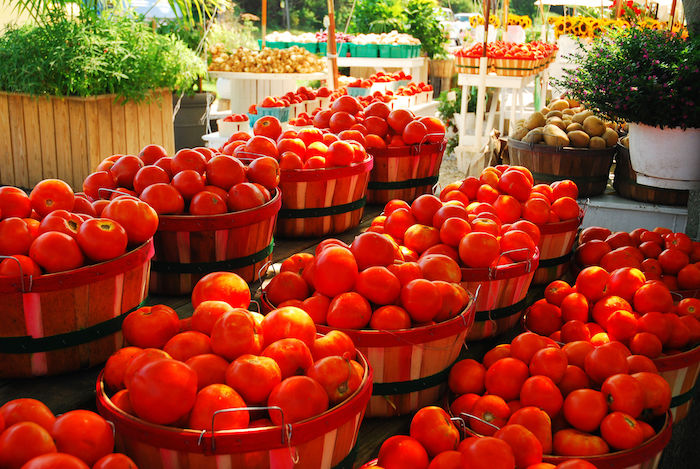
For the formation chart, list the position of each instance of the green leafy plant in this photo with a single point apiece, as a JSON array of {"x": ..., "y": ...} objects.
[
  {"x": 423, "y": 24},
  {"x": 378, "y": 16},
  {"x": 92, "y": 55},
  {"x": 639, "y": 75}
]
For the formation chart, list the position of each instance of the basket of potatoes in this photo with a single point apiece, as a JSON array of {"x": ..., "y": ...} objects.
[{"x": 565, "y": 141}]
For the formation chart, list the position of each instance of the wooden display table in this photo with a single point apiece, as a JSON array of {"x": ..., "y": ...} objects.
[
  {"x": 245, "y": 89},
  {"x": 416, "y": 66}
]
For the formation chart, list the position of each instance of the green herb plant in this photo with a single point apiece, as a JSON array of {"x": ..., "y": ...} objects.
[{"x": 423, "y": 24}]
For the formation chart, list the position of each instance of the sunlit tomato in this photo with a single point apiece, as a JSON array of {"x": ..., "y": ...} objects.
[
  {"x": 566, "y": 208},
  {"x": 550, "y": 362},
  {"x": 17, "y": 265},
  {"x": 378, "y": 285},
  {"x": 540, "y": 391},
  {"x": 339, "y": 377},
  {"x": 621, "y": 431},
  {"x": 398, "y": 119},
  {"x": 21, "y": 442},
  {"x": 147, "y": 176},
  {"x": 624, "y": 393},
  {"x": 152, "y": 153},
  {"x": 15, "y": 237},
  {"x": 525, "y": 345},
  {"x": 335, "y": 271},
  {"x": 493, "y": 412},
  {"x": 187, "y": 159},
  {"x": 163, "y": 391},
  {"x": 591, "y": 282},
  {"x": 99, "y": 184},
  {"x": 478, "y": 249},
  {"x": 83, "y": 434},
  {"x": 544, "y": 318},
  {"x": 265, "y": 171},
  {"x": 125, "y": 169},
  {"x": 268, "y": 126},
  {"x": 56, "y": 252},
  {"x": 299, "y": 397},
  {"x": 515, "y": 183},
  {"x": 571, "y": 442},
  {"x": 206, "y": 415},
  {"x": 604, "y": 361},
  {"x": 51, "y": 194},
  {"x": 652, "y": 297},
  {"x": 527, "y": 449},
  {"x": 517, "y": 245},
  {"x": 115, "y": 461},
  {"x": 574, "y": 307},
  {"x": 402, "y": 452},
  {"x": 584, "y": 409},
  {"x": 486, "y": 453},
  {"x": 138, "y": 218},
  {"x": 102, "y": 239},
  {"x": 467, "y": 376},
  {"x": 505, "y": 378},
  {"x": 432, "y": 427},
  {"x": 373, "y": 249},
  {"x": 116, "y": 367},
  {"x": 422, "y": 300},
  {"x": 150, "y": 326},
  {"x": 164, "y": 198},
  {"x": 210, "y": 369},
  {"x": 27, "y": 410},
  {"x": 14, "y": 202}
]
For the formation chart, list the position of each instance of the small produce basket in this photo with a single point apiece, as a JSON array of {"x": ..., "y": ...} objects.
[
  {"x": 404, "y": 172},
  {"x": 625, "y": 183},
  {"x": 556, "y": 249},
  {"x": 681, "y": 371},
  {"x": 317, "y": 202},
  {"x": 281, "y": 113},
  {"x": 588, "y": 168},
  {"x": 410, "y": 366},
  {"x": 66, "y": 321},
  {"x": 322, "y": 442},
  {"x": 515, "y": 67},
  {"x": 190, "y": 246},
  {"x": 501, "y": 295}
]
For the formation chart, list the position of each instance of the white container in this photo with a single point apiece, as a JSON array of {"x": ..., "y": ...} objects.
[
  {"x": 226, "y": 129},
  {"x": 668, "y": 158},
  {"x": 515, "y": 33}
]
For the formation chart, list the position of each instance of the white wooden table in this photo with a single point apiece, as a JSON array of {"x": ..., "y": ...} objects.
[
  {"x": 416, "y": 66},
  {"x": 244, "y": 88}
]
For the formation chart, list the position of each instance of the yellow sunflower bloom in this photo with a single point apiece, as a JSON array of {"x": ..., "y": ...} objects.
[{"x": 552, "y": 20}]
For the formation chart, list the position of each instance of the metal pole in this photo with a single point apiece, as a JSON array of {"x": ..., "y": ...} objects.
[
  {"x": 264, "y": 21},
  {"x": 332, "y": 50}
]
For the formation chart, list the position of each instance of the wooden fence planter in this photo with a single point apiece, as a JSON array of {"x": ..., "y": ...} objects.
[{"x": 65, "y": 138}]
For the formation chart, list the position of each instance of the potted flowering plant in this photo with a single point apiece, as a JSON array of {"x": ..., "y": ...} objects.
[{"x": 650, "y": 79}]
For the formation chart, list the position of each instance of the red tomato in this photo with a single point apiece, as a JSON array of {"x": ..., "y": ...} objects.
[
  {"x": 527, "y": 449},
  {"x": 163, "y": 391},
  {"x": 210, "y": 401},
  {"x": 402, "y": 452},
  {"x": 51, "y": 194},
  {"x": 187, "y": 159},
  {"x": 657, "y": 391},
  {"x": 102, "y": 239},
  {"x": 335, "y": 271},
  {"x": 486, "y": 453},
  {"x": 83, "y": 434},
  {"x": 288, "y": 322},
  {"x": 550, "y": 362},
  {"x": 349, "y": 310},
  {"x": 432, "y": 427},
  {"x": 621, "y": 431},
  {"x": 14, "y": 202},
  {"x": 15, "y": 237},
  {"x": 540, "y": 391},
  {"x": 339, "y": 376},
  {"x": 478, "y": 249},
  {"x": 115, "y": 461},
  {"x": 98, "y": 185},
  {"x": 147, "y": 176},
  {"x": 604, "y": 361},
  {"x": 493, "y": 413},
  {"x": 116, "y": 367},
  {"x": 505, "y": 378},
  {"x": 373, "y": 249},
  {"x": 536, "y": 421},
  {"x": 27, "y": 410},
  {"x": 164, "y": 198},
  {"x": 624, "y": 393},
  {"x": 124, "y": 170},
  {"x": 207, "y": 203},
  {"x": 138, "y": 218},
  {"x": 56, "y": 252},
  {"x": 23, "y": 441},
  {"x": 467, "y": 376},
  {"x": 584, "y": 409},
  {"x": 187, "y": 344},
  {"x": 570, "y": 442},
  {"x": 422, "y": 300},
  {"x": 378, "y": 285},
  {"x": 299, "y": 397},
  {"x": 150, "y": 326},
  {"x": 236, "y": 333},
  {"x": 591, "y": 282},
  {"x": 222, "y": 286}
]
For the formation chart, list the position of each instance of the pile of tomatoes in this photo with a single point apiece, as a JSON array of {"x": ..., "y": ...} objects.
[
  {"x": 196, "y": 181},
  {"x": 369, "y": 284},
  {"x": 577, "y": 400},
  {"x": 180, "y": 373},
  {"x": 435, "y": 442},
  {"x": 621, "y": 305},
  {"x": 54, "y": 230},
  {"x": 378, "y": 124},
  {"x": 302, "y": 94},
  {"x": 31, "y": 437},
  {"x": 480, "y": 222},
  {"x": 510, "y": 50},
  {"x": 660, "y": 254},
  {"x": 304, "y": 149}
]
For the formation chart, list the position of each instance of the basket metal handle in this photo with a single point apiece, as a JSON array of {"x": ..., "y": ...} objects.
[{"x": 21, "y": 274}]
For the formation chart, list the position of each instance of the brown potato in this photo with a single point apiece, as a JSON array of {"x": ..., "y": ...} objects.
[
  {"x": 593, "y": 126},
  {"x": 559, "y": 104},
  {"x": 555, "y": 136},
  {"x": 535, "y": 120},
  {"x": 578, "y": 138},
  {"x": 533, "y": 136},
  {"x": 596, "y": 143},
  {"x": 610, "y": 137},
  {"x": 574, "y": 126},
  {"x": 581, "y": 116}
]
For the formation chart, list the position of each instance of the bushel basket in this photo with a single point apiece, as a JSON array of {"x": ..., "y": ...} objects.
[
  {"x": 190, "y": 246},
  {"x": 556, "y": 249},
  {"x": 589, "y": 169},
  {"x": 66, "y": 321}
]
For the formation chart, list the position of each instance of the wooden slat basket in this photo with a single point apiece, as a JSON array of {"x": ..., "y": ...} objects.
[
  {"x": 64, "y": 138},
  {"x": 190, "y": 246},
  {"x": 410, "y": 365},
  {"x": 589, "y": 169},
  {"x": 66, "y": 321},
  {"x": 404, "y": 172},
  {"x": 322, "y": 442},
  {"x": 556, "y": 249},
  {"x": 318, "y": 202},
  {"x": 681, "y": 370},
  {"x": 501, "y": 295},
  {"x": 625, "y": 183}
]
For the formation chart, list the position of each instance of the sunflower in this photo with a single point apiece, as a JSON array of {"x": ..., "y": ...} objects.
[
  {"x": 582, "y": 28},
  {"x": 560, "y": 28},
  {"x": 552, "y": 20},
  {"x": 473, "y": 21}
]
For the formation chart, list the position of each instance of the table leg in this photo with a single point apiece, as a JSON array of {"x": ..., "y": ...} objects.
[
  {"x": 492, "y": 113},
  {"x": 514, "y": 96},
  {"x": 480, "y": 104},
  {"x": 463, "y": 116}
]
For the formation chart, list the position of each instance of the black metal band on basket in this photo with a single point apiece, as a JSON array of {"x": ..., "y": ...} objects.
[
  {"x": 555, "y": 261},
  {"x": 348, "y": 461},
  {"x": 407, "y": 184},
  {"x": 321, "y": 211},
  {"x": 206, "y": 267},
  {"x": 500, "y": 313},
  {"x": 28, "y": 344},
  {"x": 415, "y": 385},
  {"x": 579, "y": 180},
  {"x": 679, "y": 400}
]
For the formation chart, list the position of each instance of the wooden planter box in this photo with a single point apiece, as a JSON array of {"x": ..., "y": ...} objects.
[{"x": 65, "y": 138}]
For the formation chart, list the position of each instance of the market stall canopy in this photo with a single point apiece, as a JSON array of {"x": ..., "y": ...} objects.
[{"x": 576, "y": 3}]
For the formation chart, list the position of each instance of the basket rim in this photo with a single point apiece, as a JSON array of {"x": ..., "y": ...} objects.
[
  {"x": 230, "y": 219},
  {"x": 243, "y": 440},
  {"x": 501, "y": 272},
  {"x": 573, "y": 151},
  {"x": 306, "y": 175},
  {"x": 82, "y": 275},
  {"x": 563, "y": 226}
]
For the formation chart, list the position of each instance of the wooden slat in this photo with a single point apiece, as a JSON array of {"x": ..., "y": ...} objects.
[
  {"x": 168, "y": 132},
  {"x": 47, "y": 137},
  {"x": 119, "y": 144},
  {"x": 105, "y": 128},
  {"x": 62, "y": 132},
  {"x": 78, "y": 142},
  {"x": 7, "y": 171},
  {"x": 131, "y": 121},
  {"x": 156, "y": 124},
  {"x": 32, "y": 134},
  {"x": 144, "y": 137},
  {"x": 94, "y": 155},
  {"x": 19, "y": 145}
]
